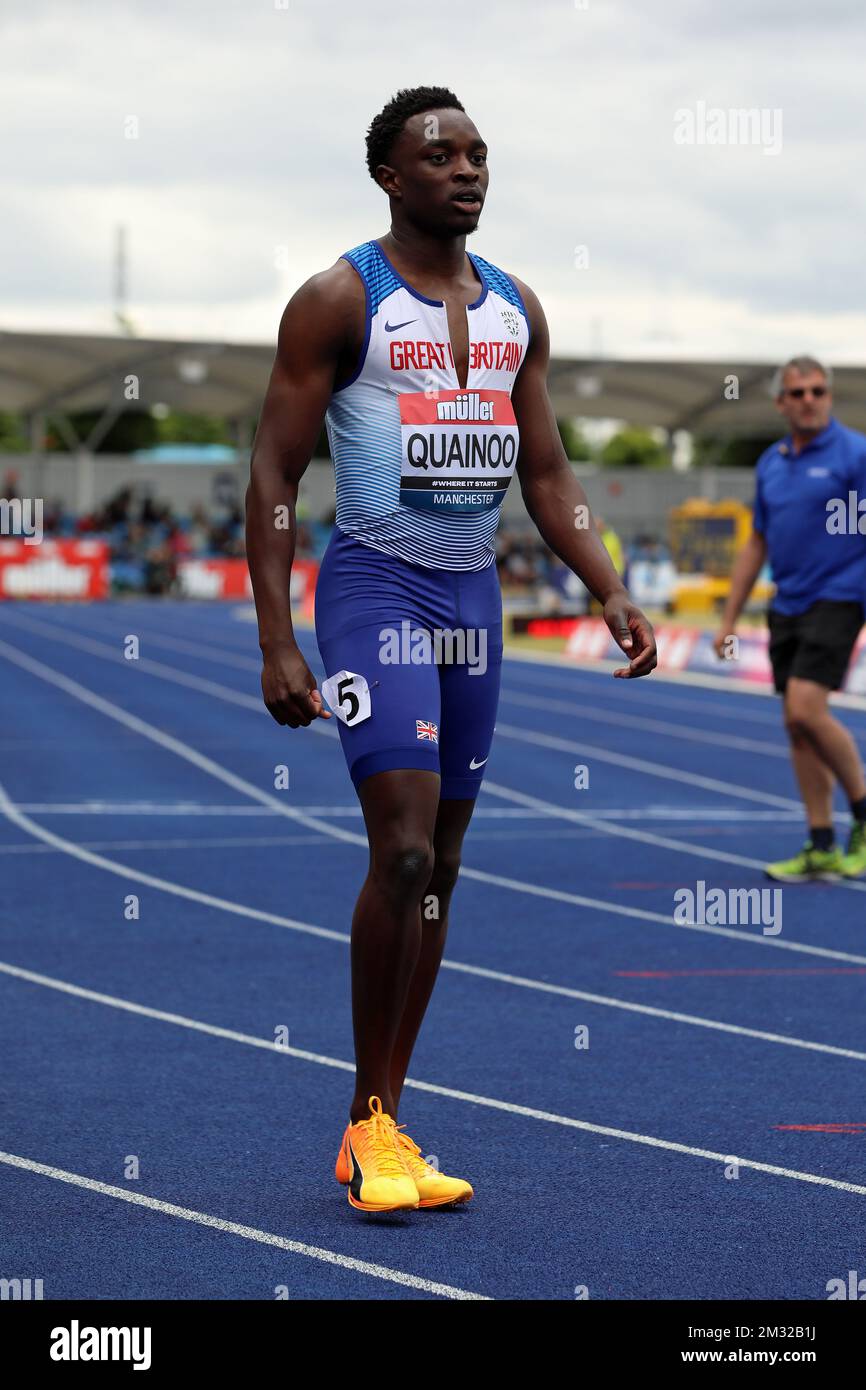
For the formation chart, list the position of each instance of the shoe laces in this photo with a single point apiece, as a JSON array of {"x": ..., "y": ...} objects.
[
  {"x": 414, "y": 1155},
  {"x": 379, "y": 1136}
]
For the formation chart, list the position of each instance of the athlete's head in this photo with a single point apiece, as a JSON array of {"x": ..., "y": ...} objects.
[
  {"x": 428, "y": 156},
  {"x": 803, "y": 390}
]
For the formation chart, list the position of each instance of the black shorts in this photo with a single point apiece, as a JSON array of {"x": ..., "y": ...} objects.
[{"x": 815, "y": 645}]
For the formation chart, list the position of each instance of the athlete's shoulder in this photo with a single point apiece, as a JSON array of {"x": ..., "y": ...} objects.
[
  {"x": 324, "y": 313},
  {"x": 330, "y": 288},
  {"x": 527, "y": 301}
]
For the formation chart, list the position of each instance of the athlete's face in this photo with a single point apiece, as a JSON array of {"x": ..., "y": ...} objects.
[
  {"x": 805, "y": 401},
  {"x": 438, "y": 173}
]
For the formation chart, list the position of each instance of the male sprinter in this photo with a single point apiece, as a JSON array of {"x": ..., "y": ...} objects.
[
  {"x": 426, "y": 363},
  {"x": 818, "y": 608}
]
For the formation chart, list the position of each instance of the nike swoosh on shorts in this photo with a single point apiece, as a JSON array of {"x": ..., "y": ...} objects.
[{"x": 474, "y": 765}]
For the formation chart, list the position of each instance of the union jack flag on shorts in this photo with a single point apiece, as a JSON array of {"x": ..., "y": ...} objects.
[{"x": 424, "y": 729}]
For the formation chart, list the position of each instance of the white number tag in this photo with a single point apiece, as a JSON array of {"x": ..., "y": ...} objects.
[{"x": 348, "y": 695}]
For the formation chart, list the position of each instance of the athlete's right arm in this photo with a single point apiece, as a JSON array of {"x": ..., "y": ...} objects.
[
  {"x": 319, "y": 332},
  {"x": 747, "y": 567}
]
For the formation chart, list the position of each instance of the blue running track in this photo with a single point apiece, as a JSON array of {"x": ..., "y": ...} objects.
[{"x": 168, "y": 916}]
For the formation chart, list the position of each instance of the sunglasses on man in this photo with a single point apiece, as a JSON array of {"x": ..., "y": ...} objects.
[{"x": 798, "y": 392}]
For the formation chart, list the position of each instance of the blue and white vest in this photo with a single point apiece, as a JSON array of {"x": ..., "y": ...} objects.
[{"x": 422, "y": 465}]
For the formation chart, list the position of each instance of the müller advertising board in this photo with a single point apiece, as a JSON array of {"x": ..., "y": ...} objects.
[
  {"x": 691, "y": 649},
  {"x": 81, "y": 569},
  {"x": 69, "y": 569}
]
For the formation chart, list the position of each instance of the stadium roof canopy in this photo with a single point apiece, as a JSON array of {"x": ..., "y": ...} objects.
[{"x": 57, "y": 374}]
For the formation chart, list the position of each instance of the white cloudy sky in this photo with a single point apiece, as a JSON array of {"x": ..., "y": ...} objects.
[{"x": 252, "y": 120}]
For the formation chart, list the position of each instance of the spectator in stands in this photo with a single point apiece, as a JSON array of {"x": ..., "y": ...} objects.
[
  {"x": 516, "y": 559},
  {"x": 199, "y": 532},
  {"x": 651, "y": 573},
  {"x": 160, "y": 569},
  {"x": 612, "y": 544},
  {"x": 561, "y": 591}
]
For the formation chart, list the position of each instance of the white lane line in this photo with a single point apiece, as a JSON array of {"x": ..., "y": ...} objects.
[
  {"x": 192, "y": 809},
  {"x": 234, "y": 1228},
  {"x": 623, "y": 831},
  {"x": 621, "y": 720},
  {"x": 750, "y": 745},
  {"x": 480, "y": 972},
  {"x": 652, "y": 1011},
  {"x": 647, "y": 1139},
  {"x": 508, "y": 731},
  {"x": 213, "y": 650},
  {"x": 181, "y": 1020},
  {"x": 644, "y": 836},
  {"x": 187, "y": 809},
  {"x": 182, "y": 750},
  {"x": 249, "y": 842},
  {"x": 651, "y": 697},
  {"x": 669, "y": 774},
  {"x": 234, "y": 697},
  {"x": 644, "y": 915},
  {"x": 524, "y": 659},
  {"x": 114, "y": 1001},
  {"x": 726, "y": 684},
  {"x": 496, "y": 837},
  {"x": 218, "y": 656},
  {"x": 468, "y": 1097},
  {"x": 173, "y": 745},
  {"x": 235, "y": 842},
  {"x": 110, "y": 866},
  {"x": 144, "y": 663}
]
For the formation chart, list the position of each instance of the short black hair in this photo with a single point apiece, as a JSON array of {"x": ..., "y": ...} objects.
[{"x": 390, "y": 121}]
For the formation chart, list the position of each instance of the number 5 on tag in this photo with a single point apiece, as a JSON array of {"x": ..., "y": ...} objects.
[{"x": 348, "y": 695}]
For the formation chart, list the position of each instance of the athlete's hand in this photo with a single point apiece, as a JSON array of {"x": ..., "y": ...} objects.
[
  {"x": 721, "y": 641},
  {"x": 289, "y": 687},
  {"x": 633, "y": 632}
]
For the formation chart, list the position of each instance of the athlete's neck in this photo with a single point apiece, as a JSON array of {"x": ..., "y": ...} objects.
[{"x": 424, "y": 254}]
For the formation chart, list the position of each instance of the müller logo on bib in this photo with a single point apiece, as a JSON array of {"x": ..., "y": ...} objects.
[{"x": 459, "y": 449}]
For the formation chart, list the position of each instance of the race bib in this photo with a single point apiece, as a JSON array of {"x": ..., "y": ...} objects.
[
  {"x": 458, "y": 450},
  {"x": 348, "y": 695}
]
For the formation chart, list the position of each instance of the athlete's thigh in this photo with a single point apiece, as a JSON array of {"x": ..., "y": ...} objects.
[
  {"x": 400, "y": 808},
  {"x": 806, "y": 699},
  {"x": 402, "y": 729},
  {"x": 470, "y": 687}
]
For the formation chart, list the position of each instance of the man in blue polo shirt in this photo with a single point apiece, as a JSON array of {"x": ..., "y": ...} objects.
[{"x": 805, "y": 524}]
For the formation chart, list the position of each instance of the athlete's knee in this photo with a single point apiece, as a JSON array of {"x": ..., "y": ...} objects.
[
  {"x": 445, "y": 871},
  {"x": 404, "y": 866},
  {"x": 802, "y": 718},
  {"x": 797, "y": 727}
]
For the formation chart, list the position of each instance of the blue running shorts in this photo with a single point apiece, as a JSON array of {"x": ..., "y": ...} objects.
[{"x": 428, "y": 644}]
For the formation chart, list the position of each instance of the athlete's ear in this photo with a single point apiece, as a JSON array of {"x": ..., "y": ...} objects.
[{"x": 388, "y": 180}]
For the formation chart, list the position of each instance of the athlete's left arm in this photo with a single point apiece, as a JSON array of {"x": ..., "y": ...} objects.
[{"x": 557, "y": 503}]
